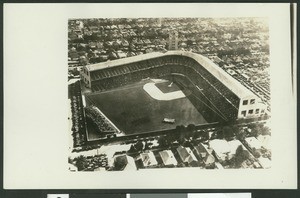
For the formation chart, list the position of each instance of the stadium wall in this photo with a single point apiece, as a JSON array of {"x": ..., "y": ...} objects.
[{"x": 226, "y": 98}]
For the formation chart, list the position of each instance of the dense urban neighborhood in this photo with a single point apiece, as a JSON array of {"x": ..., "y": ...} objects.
[
  {"x": 227, "y": 147},
  {"x": 156, "y": 93}
]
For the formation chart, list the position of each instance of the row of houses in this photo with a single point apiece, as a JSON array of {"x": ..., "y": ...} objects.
[
  {"x": 210, "y": 155},
  {"x": 167, "y": 157}
]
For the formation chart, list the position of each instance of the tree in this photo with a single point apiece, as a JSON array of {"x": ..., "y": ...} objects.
[
  {"x": 204, "y": 135},
  {"x": 241, "y": 155},
  {"x": 196, "y": 135},
  {"x": 241, "y": 135},
  {"x": 255, "y": 128},
  {"x": 256, "y": 154},
  {"x": 120, "y": 162},
  {"x": 180, "y": 130},
  {"x": 174, "y": 135},
  {"x": 81, "y": 162},
  {"x": 147, "y": 146},
  {"x": 252, "y": 125},
  {"x": 132, "y": 149},
  {"x": 162, "y": 141},
  {"x": 139, "y": 146},
  {"x": 239, "y": 150},
  {"x": 265, "y": 130},
  {"x": 191, "y": 128},
  {"x": 228, "y": 133},
  {"x": 235, "y": 129},
  {"x": 187, "y": 144},
  {"x": 220, "y": 134}
]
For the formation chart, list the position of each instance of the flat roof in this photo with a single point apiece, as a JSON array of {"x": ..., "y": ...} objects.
[
  {"x": 232, "y": 84},
  {"x": 124, "y": 61}
]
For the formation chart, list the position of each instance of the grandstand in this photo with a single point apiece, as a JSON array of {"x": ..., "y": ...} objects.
[{"x": 204, "y": 82}]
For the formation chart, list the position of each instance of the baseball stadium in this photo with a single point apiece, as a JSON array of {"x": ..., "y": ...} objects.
[{"x": 161, "y": 90}]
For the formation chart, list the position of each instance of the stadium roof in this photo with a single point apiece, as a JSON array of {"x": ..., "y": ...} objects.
[
  {"x": 235, "y": 86},
  {"x": 124, "y": 61}
]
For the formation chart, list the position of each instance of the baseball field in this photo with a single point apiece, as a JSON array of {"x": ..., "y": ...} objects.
[{"x": 141, "y": 107}]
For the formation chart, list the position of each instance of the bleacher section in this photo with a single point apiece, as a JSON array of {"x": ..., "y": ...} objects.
[{"x": 103, "y": 125}]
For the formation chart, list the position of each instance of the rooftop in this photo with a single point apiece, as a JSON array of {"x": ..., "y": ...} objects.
[
  {"x": 186, "y": 154},
  {"x": 168, "y": 157},
  {"x": 220, "y": 146},
  {"x": 253, "y": 142},
  {"x": 148, "y": 159}
]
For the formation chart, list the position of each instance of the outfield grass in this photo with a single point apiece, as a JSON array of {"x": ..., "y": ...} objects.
[{"x": 132, "y": 110}]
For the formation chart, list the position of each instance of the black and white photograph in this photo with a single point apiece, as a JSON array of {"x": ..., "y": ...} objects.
[
  {"x": 149, "y": 96},
  {"x": 169, "y": 93}
]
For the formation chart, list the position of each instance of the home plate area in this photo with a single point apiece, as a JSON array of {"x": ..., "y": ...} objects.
[{"x": 163, "y": 90}]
